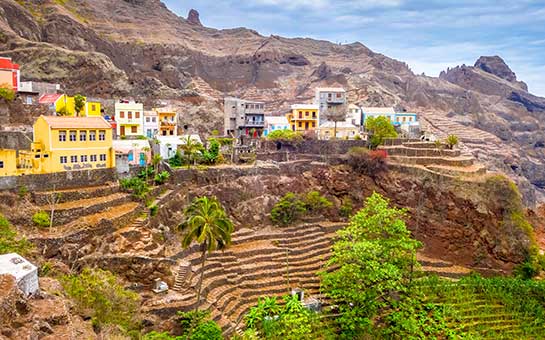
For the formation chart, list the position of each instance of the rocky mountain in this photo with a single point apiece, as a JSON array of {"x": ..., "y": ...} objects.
[{"x": 139, "y": 48}]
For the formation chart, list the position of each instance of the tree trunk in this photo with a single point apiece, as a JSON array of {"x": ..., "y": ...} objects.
[
  {"x": 204, "y": 253},
  {"x": 335, "y": 130}
]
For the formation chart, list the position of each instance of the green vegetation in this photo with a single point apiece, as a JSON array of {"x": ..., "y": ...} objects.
[
  {"x": 100, "y": 295},
  {"x": 161, "y": 177},
  {"x": 380, "y": 128},
  {"x": 137, "y": 186},
  {"x": 41, "y": 219},
  {"x": 195, "y": 325},
  {"x": 315, "y": 203},
  {"x": 176, "y": 160},
  {"x": 346, "y": 209},
  {"x": 452, "y": 141},
  {"x": 212, "y": 155},
  {"x": 79, "y": 103},
  {"x": 292, "y": 320},
  {"x": 153, "y": 210},
  {"x": 289, "y": 209},
  {"x": 371, "y": 266},
  {"x": 10, "y": 242},
  {"x": 287, "y": 136},
  {"x": 190, "y": 149},
  {"x": 7, "y": 92},
  {"x": 206, "y": 223},
  {"x": 23, "y": 191},
  {"x": 367, "y": 162}
]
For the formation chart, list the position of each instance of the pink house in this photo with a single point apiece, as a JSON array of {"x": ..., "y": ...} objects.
[{"x": 138, "y": 152}]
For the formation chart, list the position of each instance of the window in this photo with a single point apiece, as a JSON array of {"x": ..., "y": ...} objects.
[
  {"x": 300, "y": 124},
  {"x": 129, "y": 115},
  {"x": 300, "y": 114},
  {"x": 101, "y": 135},
  {"x": 92, "y": 135},
  {"x": 93, "y": 107},
  {"x": 82, "y": 136},
  {"x": 137, "y": 115},
  {"x": 153, "y": 119},
  {"x": 121, "y": 114},
  {"x": 73, "y": 159},
  {"x": 46, "y": 156},
  {"x": 64, "y": 159},
  {"x": 306, "y": 114},
  {"x": 29, "y": 100},
  {"x": 313, "y": 124},
  {"x": 83, "y": 158},
  {"x": 62, "y": 136},
  {"x": 37, "y": 156},
  {"x": 147, "y": 119},
  {"x": 93, "y": 158},
  {"x": 133, "y": 129},
  {"x": 103, "y": 157},
  {"x": 339, "y": 95},
  {"x": 1, "y": 164},
  {"x": 73, "y": 136}
]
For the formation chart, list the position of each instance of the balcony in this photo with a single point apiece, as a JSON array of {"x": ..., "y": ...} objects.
[{"x": 254, "y": 123}]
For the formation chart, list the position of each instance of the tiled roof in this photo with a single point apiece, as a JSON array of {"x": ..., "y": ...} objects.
[
  {"x": 49, "y": 98},
  {"x": 276, "y": 120},
  {"x": 378, "y": 110},
  {"x": 305, "y": 107},
  {"x": 57, "y": 122}
]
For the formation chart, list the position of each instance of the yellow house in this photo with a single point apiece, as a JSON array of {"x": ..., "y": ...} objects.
[
  {"x": 129, "y": 116},
  {"x": 67, "y": 105},
  {"x": 343, "y": 130},
  {"x": 70, "y": 143},
  {"x": 168, "y": 122},
  {"x": 8, "y": 162},
  {"x": 303, "y": 117}
]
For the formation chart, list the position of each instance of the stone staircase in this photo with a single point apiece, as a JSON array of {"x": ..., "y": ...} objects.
[
  {"x": 268, "y": 262},
  {"x": 182, "y": 277}
]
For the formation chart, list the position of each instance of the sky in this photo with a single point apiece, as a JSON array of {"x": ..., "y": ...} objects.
[{"x": 428, "y": 35}]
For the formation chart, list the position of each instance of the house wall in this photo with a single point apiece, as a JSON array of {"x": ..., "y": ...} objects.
[
  {"x": 93, "y": 109},
  {"x": 59, "y": 180},
  {"x": 134, "y": 109},
  {"x": 8, "y": 162}
]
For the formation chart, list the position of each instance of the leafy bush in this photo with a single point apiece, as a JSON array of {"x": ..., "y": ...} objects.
[
  {"x": 316, "y": 203},
  {"x": 368, "y": 162},
  {"x": 9, "y": 240},
  {"x": 197, "y": 325},
  {"x": 41, "y": 219},
  {"x": 212, "y": 154},
  {"x": 452, "y": 141},
  {"x": 79, "y": 103},
  {"x": 161, "y": 177},
  {"x": 289, "y": 209},
  {"x": 346, "y": 208},
  {"x": 146, "y": 173},
  {"x": 176, "y": 160},
  {"x": 153, "y": 210},
  {"x": 285, "y": 136},
  {"x": 7, "y": 92},
  {"x": 138, "y": 187},
  {"x": 160, "y": 336},
  {"x": 23, "y": 191},
  {"x": 100, "y": 294}
]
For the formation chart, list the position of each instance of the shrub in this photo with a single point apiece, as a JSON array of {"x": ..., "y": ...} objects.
[
  {"x": 153, "y": 210},
  {"x": 380, "y": 128},
  {"x": 346, "y": 208},
  {"x": 208, "y": 330},
  {"x": 196, "y": 325},
  {"x": 7, "y": 93},
  {"x": 79, "y": 103},
  {"x": 176, "y": 160},
  {"x": 452, "y": 141},
  {"x": 368, "y": 162},
  {"x": 41, "y": 219},
  {"x": 357, "y": 137},
  {"x": 212, "y": 154},
  {"x": 161, "y": 177},
  {"x": 285, "y": 136},
  {"x": 100, "y": 294},
  {"x": 9, "y": 240},
  {"x": 289, "y": 209},
  {"x": 316, "y": 203},
  {"x": 23, "y": 191},
  {"x": 138, "y": 187}
]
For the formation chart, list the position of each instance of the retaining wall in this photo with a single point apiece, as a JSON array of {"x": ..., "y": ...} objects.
[{"x": 59, "y": 180}]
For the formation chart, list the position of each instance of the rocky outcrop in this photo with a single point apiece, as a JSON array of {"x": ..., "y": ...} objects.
[
  {"x": 193, "y": 17},
  {"x": 497, "y": 66}
]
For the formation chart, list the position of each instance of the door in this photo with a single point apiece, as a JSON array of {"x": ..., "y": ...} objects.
[
  {"x": 122, "y": 130},
  {"x": 142, "y": 159}
]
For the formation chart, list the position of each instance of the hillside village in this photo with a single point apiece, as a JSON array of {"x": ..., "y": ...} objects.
[{"x": 105, "y": 194}]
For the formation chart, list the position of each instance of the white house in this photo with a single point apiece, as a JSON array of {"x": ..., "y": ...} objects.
[
  {"x": 275, "y": 123},
  {"x": 168, "y": 145},
  {"x": 353, "y": 116},
  {"x": 25, "y": 273},
  {"x": 151, "y": 123}
]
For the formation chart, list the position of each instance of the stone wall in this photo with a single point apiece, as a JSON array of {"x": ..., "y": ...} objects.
[
  {"x": 316, "y": 147},
  {"x": 15, "y": 140},
  {"x": 59, "y": 180}
]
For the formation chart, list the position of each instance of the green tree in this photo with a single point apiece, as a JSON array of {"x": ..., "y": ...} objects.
[
  {"x": 372, "y": 263},
  {"x": 100, "y": 294},
  {"x": 7, "y": 92},
  {"x": 206, "y": 223},
  {"x": 155, "y": 161},
  {"x": 380, "y": 128},
  {"x": 289, "y": 209},
  {"x": 79, "y": 103},
  {"x": 212, "y": 154},
  {"x": 190, "y": 148}
]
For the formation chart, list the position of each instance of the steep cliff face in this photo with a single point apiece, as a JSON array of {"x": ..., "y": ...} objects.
[{"x": 138, "y": 47}]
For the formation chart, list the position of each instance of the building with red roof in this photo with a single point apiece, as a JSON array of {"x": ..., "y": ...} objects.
[{"x": 9, "y": 74}]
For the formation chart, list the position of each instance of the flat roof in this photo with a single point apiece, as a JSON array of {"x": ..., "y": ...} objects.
[
  {"x": 60, "y": 122},
  {"x": 378, "y": 110},
  {"x": 15, "y": 265},
  {"x": 305, "y": 107},
  {"x": 49, "y": 98},
  {"x": 330, "y": 89}
]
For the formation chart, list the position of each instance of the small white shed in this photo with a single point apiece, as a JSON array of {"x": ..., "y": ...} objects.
[
  {"x": 25, "y": 273},
  {"x": 168, "y": 145}
]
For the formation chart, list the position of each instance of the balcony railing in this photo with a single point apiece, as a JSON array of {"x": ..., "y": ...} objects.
[{"x": 250, "y": 122}]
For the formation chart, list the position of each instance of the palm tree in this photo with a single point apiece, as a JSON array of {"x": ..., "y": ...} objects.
[
  {"x": 155, "y": 160},
  {"x": 190, "y": 148},
  {"x": 206, "y": 223}
]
